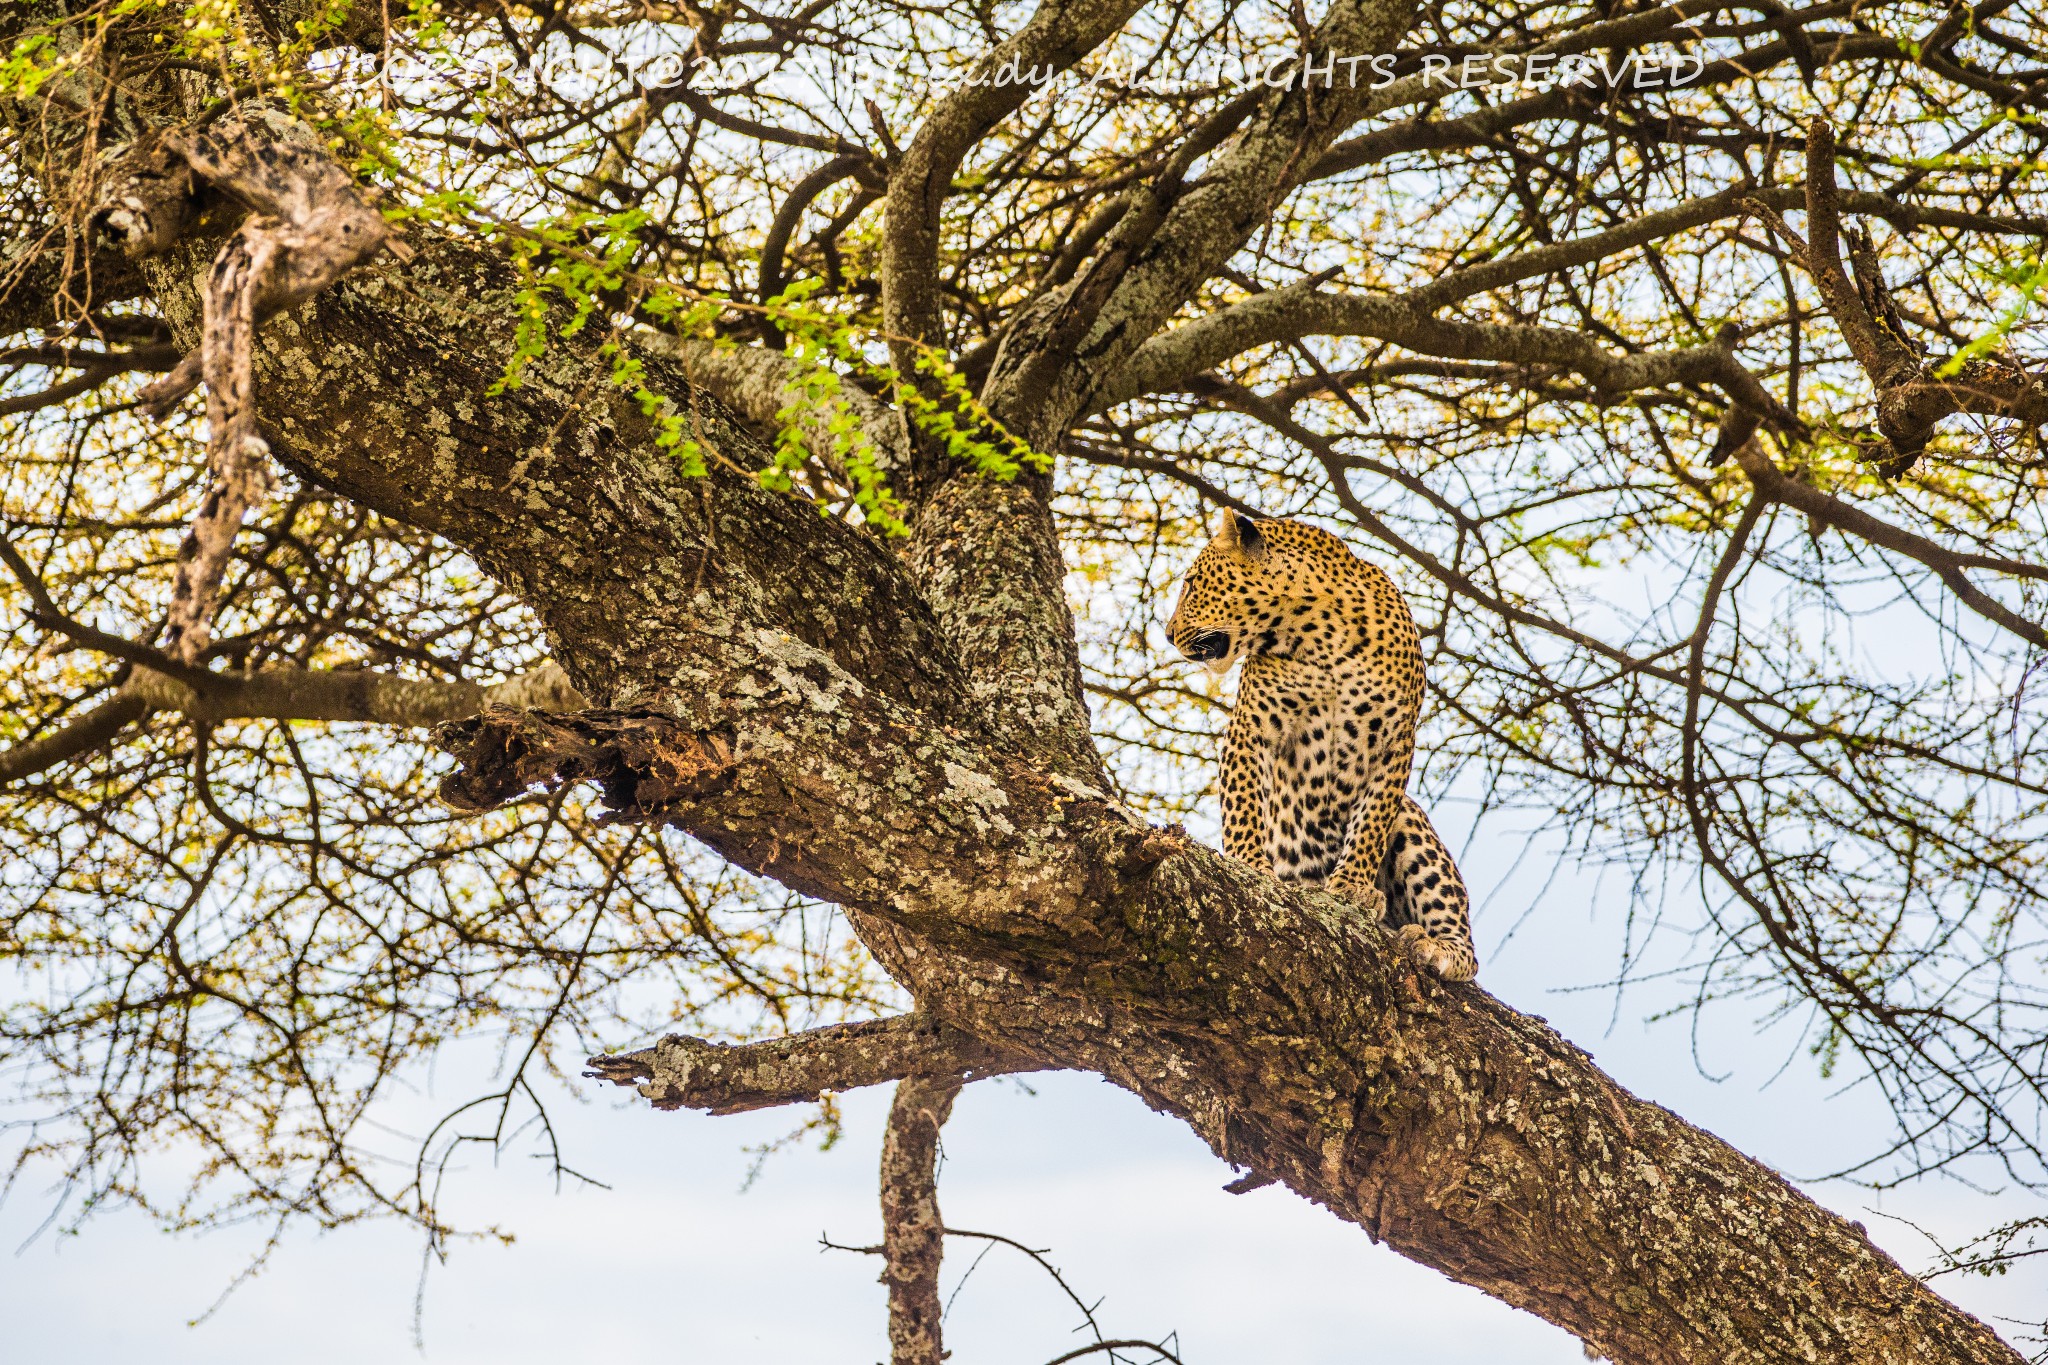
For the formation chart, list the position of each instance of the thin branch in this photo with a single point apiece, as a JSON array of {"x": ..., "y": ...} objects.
[
  {"x": 1948, "y": 565},
  {"x": 1120, "y": 1344}
]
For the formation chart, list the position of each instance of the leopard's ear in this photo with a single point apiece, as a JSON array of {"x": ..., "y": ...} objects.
[{"x": 1244, "y": 533}]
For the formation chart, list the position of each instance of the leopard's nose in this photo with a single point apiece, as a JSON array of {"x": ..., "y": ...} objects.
[{"x": 1206, "y": 646}]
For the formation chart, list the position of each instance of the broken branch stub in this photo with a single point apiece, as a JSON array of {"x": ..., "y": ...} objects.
[
  {"x": 645, "y": 762},
  {"x": 151, "y": 199}
]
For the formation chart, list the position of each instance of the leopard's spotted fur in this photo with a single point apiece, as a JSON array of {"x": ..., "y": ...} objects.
[{"x": 1319, "y": 747}]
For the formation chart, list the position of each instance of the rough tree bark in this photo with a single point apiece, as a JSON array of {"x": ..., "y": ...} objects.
[{"x": 905, "y": 736}]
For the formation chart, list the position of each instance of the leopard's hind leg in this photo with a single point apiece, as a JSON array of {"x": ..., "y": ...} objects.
[{"x": 1426, "y": 897}]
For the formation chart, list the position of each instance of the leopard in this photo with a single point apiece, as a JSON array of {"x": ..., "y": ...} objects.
[{"x": 1321, "y": 741}]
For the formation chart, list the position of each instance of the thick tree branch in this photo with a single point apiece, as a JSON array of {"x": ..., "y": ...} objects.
[
  {"x": 91, "y": 731},
  {"x": 754, "y": 380},
  {"x": 1283, "y": 1029},
  {"x": 1885, "y": 358},
  {"x": 1171, "y": 359},
  {"x": 559, "y": 483},
  {"x": 1155, "y": 263},
  {"x": 362, "y": 696},
  {"x": 985, "y": 555}
]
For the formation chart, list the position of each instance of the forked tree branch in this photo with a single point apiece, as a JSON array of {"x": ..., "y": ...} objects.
[
  {"x": 1053, "y": 364},
  {"x": 1059, "y": 34},
  {"x": 1883, "y": 357}
]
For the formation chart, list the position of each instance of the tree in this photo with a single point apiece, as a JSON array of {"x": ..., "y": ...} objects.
[{"x": 744, "y": 388}]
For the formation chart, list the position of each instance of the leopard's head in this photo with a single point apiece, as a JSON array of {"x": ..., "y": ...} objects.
[{"x": 1261, "y": 587}]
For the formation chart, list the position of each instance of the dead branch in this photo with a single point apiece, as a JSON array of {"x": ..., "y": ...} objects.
[
  {"x": 309, "y": 226},
  {"x": 689, "y": 1073},
  {"x": 913, "y": 1233}
]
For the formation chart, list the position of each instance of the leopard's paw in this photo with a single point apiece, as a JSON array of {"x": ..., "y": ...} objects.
[
  {"x": 1451, "y": 961},
  {"x": 1364, "y": 895}
]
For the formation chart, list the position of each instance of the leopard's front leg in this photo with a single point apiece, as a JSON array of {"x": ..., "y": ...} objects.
[
  {"x": 1247, "y": 774},
  {"x": 1357, "y": 874},
  {"x": 1386, "y": 705}
]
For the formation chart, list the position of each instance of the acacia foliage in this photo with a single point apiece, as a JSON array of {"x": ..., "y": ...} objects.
[{"x": 1812, "y": 754}]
